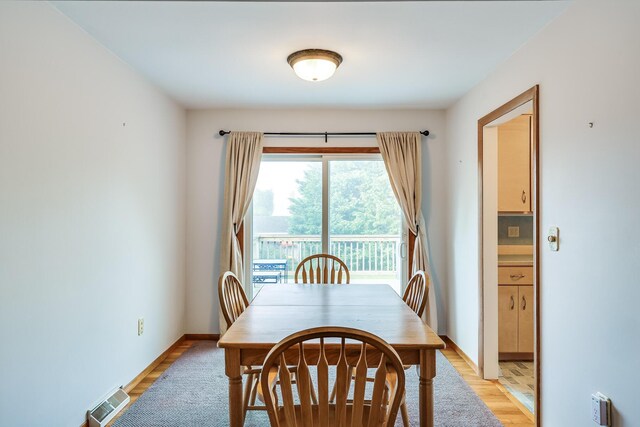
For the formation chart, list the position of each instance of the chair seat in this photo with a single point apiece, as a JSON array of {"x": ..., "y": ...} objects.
[
  {"x": 315, "y": 409},
  {"x": 272, "y": 376}
]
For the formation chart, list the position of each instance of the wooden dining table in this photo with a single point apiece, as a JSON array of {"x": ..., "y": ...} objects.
[{"x": 278, "y": 311}]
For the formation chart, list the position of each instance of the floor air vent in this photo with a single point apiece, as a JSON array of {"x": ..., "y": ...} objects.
[{"x": 108, "y": 408}]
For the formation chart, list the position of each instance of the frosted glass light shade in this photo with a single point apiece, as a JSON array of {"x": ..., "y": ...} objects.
[{"x": 314, "y": 65}]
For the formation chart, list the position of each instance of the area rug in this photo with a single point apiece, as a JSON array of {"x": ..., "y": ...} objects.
[{"x": 193, "y": 392}]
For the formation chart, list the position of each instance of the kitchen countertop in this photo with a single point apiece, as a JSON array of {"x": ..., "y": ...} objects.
[{"x": 515, "y": 260}]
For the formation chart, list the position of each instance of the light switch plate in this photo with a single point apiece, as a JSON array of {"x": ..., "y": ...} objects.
[{"x": 553, "y": 238}]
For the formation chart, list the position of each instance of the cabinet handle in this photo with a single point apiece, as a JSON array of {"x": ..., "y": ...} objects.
[
  {"x": 524, "y": 303},
  {"x": 524, "y": 197},
  {"x": 516, "y": 276},
  {"x": 513, "y": 303}
]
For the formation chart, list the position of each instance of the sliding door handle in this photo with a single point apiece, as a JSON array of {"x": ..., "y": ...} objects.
[{"x": 403, "y": 250}]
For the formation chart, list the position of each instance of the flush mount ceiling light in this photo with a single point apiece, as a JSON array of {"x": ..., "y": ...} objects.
[{"x": 314, "y": 65}]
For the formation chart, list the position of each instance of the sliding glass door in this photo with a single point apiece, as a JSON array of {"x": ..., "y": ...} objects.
[
  {"x": 286, "y": 218},
  {"x": 365, "y": 222},
  {"x": 324, "y": 204}
]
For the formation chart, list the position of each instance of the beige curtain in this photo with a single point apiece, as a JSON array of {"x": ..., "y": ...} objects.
[
  {"x": 402, "y": 156},
  {"x": 244, "y": 151}
]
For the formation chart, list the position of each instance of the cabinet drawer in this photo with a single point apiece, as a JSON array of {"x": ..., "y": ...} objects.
[{"x": 515, "y": 275}]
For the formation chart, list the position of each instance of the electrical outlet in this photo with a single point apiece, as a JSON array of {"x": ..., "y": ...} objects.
[
  {"x": 513, "y": 231},
  {"x": 600, "y": 409},
  {"x": 140, "y": 326}
]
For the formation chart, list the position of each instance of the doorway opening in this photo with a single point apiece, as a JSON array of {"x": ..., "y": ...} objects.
[{"x": 509, "y": 333}]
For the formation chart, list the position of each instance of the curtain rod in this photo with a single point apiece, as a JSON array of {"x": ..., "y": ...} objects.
[{"x": 325, "y": 134}]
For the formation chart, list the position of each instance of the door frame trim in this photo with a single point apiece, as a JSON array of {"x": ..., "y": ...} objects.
[{"x": 531, "y": 94}]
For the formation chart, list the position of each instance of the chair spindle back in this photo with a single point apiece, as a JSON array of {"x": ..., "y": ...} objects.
[
  {"x": 349, "y": 356},
  {"x": 417, "y": 292},
  {"x": 233, "y": 300},
  {"x": 322, "y": 268}
]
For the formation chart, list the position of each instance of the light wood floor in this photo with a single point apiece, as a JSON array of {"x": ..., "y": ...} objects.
[{"x": 505, "y": 407}]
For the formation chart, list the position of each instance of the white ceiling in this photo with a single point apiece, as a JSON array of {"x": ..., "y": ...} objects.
[{"x": 233, "y": 54}]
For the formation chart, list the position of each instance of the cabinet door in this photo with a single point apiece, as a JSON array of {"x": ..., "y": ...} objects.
[
  {"x": 514, "y": 165},
  {"x": 525, "y": 319},
  {"x": 507, "y": 319}
]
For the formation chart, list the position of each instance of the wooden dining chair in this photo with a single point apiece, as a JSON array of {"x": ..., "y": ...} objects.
[
  {"x": 233, "y": 302},
  {"x": 322, "y": 268},
  {"x": 415, "y": 295},
  {"x": 294, "y": 408}
]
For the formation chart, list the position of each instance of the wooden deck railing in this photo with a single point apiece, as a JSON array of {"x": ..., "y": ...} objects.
[{"x": 360, "y": 253}]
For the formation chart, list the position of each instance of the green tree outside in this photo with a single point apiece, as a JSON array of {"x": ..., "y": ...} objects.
[{"x": 361, "y": 201}]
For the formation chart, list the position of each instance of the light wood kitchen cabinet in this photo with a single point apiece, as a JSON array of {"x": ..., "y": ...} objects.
[
  {"x": 507, "y": 319},
  {"x": 514, "y": 165},
  {"x": 515, "y": 313},
  {"x": 525, "y": 319}
]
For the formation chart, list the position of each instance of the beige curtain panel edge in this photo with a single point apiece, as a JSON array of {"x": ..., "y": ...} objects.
[
  {"x": 402, "y": 155},
  {"x": 243, "y": 156}
]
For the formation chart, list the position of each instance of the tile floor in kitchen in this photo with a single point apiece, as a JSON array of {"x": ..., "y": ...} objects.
[{"x": 517, "y": 377}]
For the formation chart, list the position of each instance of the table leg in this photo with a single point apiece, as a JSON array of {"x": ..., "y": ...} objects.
[
  {"x": 427, "y": 373},
  {"x": 233, "y": 370}
]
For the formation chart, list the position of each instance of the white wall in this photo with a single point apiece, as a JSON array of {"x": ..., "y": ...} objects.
[
  {"x": 206, "y": 177},
  {"x": 587, "y": 63},
  {"x": 92, "y": 219},
  {"x": 490, "y": 249}
]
